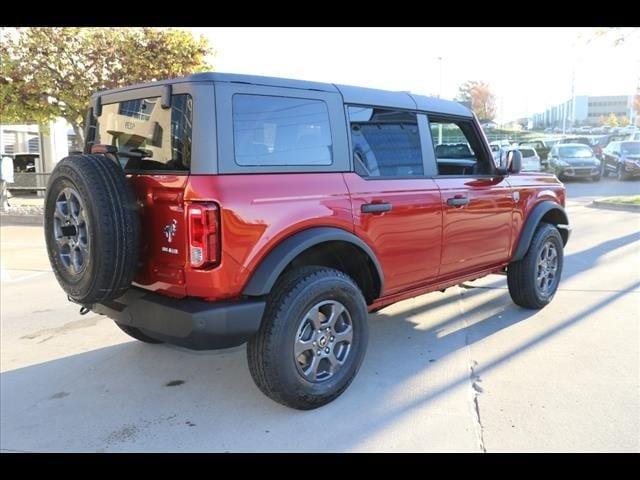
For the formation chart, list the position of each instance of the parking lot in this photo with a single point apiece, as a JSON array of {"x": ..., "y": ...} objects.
[{"x": 464, "y": 370}]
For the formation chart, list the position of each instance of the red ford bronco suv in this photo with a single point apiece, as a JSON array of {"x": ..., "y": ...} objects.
[{"x": 218, "y": 209}]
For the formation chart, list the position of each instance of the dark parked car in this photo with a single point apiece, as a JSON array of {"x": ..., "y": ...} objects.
[
  {"x": 583, "y": 140},
  {"x": 574, "y": 160},
  {"x": 25, "y": 162},
  {"x": 541, "y": 147},
  {"x": 623, "y": 159}
]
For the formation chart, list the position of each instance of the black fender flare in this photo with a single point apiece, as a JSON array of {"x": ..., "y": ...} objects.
[
  {"x": 532, "y": 222},
  {"x": 270, "y": 268}
]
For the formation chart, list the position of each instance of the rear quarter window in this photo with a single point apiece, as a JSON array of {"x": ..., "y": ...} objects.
[{"x": 280, "y": 131}]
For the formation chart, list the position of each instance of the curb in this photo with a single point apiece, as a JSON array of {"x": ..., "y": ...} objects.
[
  {"x": 615, "y": 206},
  {"x": 13, "y": 219}
]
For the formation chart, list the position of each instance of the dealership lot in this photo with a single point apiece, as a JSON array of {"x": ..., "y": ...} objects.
[{"x": 464, "y": 370}]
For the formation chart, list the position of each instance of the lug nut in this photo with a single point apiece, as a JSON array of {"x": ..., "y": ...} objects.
[
  {"x": 332, "y": 338},
  {"x": 315, "y": 343},
  {"x": 326, "y": 350},
  {"x": 319, "y": 352}
]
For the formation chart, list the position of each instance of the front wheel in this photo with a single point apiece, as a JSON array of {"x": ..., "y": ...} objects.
[
  {"x": 622, "y": 176},
  {"x": 312, "y": 339},
  {"x": 533, "y": 281},
  {"x": 596, "y": 178}
]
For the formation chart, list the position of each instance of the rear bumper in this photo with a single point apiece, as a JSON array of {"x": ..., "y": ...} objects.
[{"x": 188, "y": 322}]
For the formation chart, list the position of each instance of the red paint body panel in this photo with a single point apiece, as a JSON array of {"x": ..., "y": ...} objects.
[
  {"x": 533, "y": 188},
  {"x": 407, "y": 240},
  {"x": 423, "y": 244},
  {"x": 161, "y": 203},
  {"x": 476, "y": 235},
  {"x": 257, "y": 212}
]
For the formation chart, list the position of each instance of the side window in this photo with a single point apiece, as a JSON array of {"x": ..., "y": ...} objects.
[
  {"x": 458, "y": 149},
  {"x": 386, "y": 143},
  {"x": 147, "y": 136},
  {"x": 281, "y": 131}
]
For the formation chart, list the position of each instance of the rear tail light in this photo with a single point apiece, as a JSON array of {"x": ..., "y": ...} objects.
[{"x": 204, "y": 235}]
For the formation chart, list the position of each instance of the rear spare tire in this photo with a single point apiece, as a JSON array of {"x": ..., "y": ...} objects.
[{"x": 92, "y": 228}]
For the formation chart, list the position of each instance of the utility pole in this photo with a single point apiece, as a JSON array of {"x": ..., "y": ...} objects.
[
  {"x": 440, "y": 96},
  {"x": 565, "y": 107}
]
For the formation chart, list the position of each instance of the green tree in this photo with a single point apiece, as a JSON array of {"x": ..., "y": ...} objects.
[
  {"x": 623, "y": 121},
  {"x": 612, "y": 120},
  {"x": 479, "y": 96},
  {"x": 48, "y": 72}
]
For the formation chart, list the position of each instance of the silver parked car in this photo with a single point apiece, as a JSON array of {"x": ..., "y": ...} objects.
[{"x": 530, "y": 159}]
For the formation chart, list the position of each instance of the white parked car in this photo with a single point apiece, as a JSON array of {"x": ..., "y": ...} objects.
[{"x": 530, "y": 158}]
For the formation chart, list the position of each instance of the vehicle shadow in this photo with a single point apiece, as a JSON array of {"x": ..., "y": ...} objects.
[{"x": 138, "y": 397}]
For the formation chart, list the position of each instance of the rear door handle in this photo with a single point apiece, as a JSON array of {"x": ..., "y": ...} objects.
[
  {"x": 457, "y": 201},
  {"x": 375, "y": 207}
]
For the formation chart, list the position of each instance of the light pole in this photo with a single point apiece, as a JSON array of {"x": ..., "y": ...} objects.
[{"x": 440, "y": 96}]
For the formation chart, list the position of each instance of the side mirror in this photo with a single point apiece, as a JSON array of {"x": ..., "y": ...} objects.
[{"x": 514, "y": 161}]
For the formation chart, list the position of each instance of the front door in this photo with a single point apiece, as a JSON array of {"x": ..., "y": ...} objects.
[
  {"x": 477, "y": 204},
  {"x": 396, "y": 206}
]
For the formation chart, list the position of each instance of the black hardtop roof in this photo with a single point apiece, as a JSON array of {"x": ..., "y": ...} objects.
[{"x": 350, "y": 94}]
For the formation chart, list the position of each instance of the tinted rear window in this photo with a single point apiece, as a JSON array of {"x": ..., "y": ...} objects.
[
  {"x": 386, "y": 143},
  {"x": 527, "y": 152},
  {"x": 147, "y": 136},
  {"x": 281, "y": 131}
]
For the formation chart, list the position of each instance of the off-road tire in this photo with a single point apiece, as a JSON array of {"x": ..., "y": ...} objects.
[
  {"x": 521, "y": 274},
  {"x": 270, "y": 352},
  {"x": 137, "y": 334},
  {"x": 113, "y": 228}
]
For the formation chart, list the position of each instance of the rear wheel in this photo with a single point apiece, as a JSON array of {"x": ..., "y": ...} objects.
[
  {"x": 312, "y": 339},
  {"x": 533, "y": 281}
]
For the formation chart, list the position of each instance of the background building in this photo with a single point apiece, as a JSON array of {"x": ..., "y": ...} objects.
[
  {"x": 585, "y": 110},
  {"x": 50, "y": 146}
]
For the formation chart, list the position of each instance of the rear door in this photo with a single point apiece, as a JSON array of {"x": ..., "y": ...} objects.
[
  {"x": 154, "y": 146},
  {"x": 396, "y": 205},
  {"x": 477, "y": 204}
]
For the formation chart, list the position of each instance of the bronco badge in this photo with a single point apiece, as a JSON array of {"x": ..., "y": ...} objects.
[{"x": 170, "y": 230}]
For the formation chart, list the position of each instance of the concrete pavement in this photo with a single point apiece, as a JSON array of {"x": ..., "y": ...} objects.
[{"x": 466, "y": 370}]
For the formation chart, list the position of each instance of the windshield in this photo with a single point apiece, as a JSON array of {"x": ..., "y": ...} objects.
[
  {"x": 630, "y": 148},
  {"x": 575, "y": 152}
]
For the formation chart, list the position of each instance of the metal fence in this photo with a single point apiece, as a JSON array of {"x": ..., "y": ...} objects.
[{"x": 29, "y": 181}]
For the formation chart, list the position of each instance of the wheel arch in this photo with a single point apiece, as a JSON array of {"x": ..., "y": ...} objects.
[
  {"x": 546, "y": 211},
  {"x": 308, "y": 244}
]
